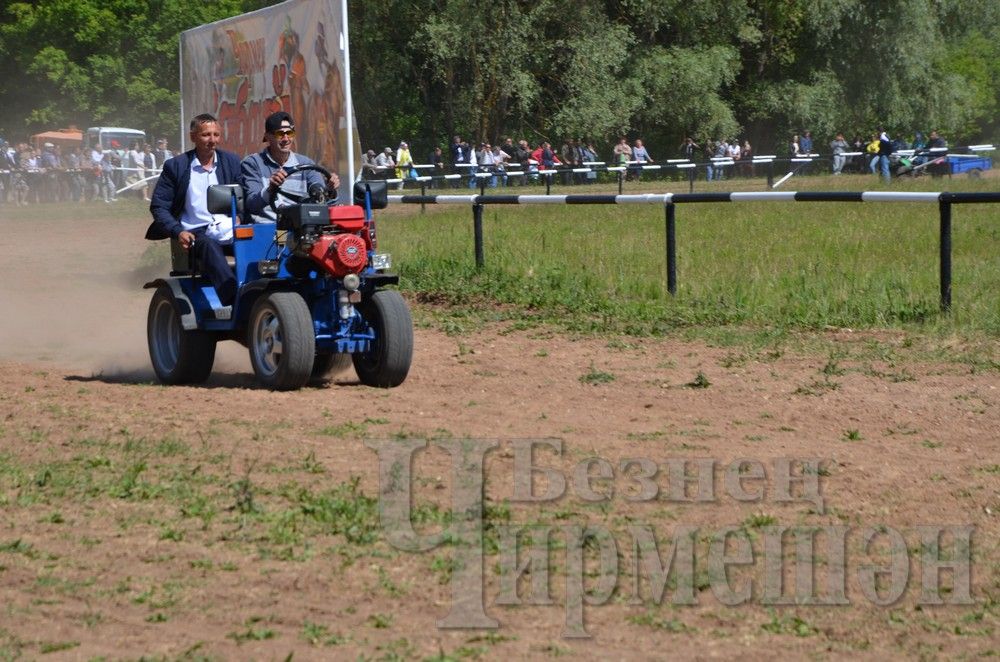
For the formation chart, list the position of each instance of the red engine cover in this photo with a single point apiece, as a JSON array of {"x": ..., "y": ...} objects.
[{"x": 340, "y": 254}]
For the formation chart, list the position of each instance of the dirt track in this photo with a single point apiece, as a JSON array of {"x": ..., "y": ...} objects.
[{"x": 89, "y": 570}]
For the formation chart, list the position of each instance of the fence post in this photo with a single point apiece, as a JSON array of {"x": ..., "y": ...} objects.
[
  {"x": 671, "y": 250},
  {"x": 423, "y": 192},
  {"x": 621, "y": 181},
  {"x": 691, "y": 174},
  {"x": 944, "y": 207},
  {"x": 770, "y": 174},
  {"x": 477, "y": 229},
  {"x": 548, "y": 181}
]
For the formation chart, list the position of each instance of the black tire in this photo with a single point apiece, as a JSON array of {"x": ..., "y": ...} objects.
[
  {"x": 388, "y": 362},
  {"x": 281, "y": 341},
  {"x": 178, "y": 356},
  {"x": 328, "y": 365},
  {"x": 975, "y": 173}
]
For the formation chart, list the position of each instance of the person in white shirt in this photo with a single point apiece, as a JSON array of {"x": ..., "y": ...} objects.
[{"x": 180, "y": 209}]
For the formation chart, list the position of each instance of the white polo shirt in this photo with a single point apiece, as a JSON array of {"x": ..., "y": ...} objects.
[{"x": 195, "y": 215}]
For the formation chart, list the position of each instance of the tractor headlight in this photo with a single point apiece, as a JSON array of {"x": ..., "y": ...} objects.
[
  {"x": 351, "y": 282},
  {"x": 382, "y": 261}
]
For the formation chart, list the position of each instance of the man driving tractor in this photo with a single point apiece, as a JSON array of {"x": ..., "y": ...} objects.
[{"x": 263, "y": 173}]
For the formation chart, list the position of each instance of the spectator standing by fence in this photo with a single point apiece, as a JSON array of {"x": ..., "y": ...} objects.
[
  {"x": 522, "y": 155},
  {"x": 689, "y": 148},
  {"x": 747, "y": 153},
  {"x": 641, "y": 156},
  {"x": 151, "y": 165},
  {"x": 806, "y": 145},
  {"x": 436, "y": 160},
  {"x": 721, "y": 152},
  {"x": 137, "y": 171},
  {"x": 369, "y": 167},
  {"x": 108, "y": 184},
  {"x": 384, "y": 165},
  {"x": 884, "y": 151},
  {"x": 74, "y": 167},
  {"x": 871, "y": 151},
  {"x": 459, "y": 153},
  {"x": 162, "y": 152},
  {"x": 838, "y": 146},
  {"x": 568, "y": 154},
  {"x": 622, "y": 153},
  {"x": 404, "y": 163}
]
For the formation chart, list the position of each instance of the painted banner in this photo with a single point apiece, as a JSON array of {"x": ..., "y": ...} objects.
[{"x": 292, "y": 57}]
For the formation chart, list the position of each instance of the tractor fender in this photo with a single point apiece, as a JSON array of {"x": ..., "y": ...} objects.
[{"x": 181, "y": 301}]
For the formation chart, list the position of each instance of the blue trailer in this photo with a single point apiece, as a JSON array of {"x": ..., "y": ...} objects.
[{"x": 972, "y": 164}]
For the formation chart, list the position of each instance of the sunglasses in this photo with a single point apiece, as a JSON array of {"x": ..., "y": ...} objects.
[{"x": 281, "y": 133}]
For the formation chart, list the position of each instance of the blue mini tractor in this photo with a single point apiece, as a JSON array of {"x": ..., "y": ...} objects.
[{"x": 311, "y": 297}]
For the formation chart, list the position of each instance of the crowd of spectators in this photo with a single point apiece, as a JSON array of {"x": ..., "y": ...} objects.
[{"x": 51, "y": 173}]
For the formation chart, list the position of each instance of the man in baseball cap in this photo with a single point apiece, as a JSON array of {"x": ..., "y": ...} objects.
[{"x": 263, "y": 173}]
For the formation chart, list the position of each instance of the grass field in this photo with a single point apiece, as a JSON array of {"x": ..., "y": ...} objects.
[{"x": 785, "y": 265}]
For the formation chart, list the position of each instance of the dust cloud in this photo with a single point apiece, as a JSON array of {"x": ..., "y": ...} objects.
[{"x": 71, "y": 296}]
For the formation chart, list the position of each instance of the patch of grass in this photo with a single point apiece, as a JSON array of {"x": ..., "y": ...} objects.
[
  {"x": 311, "y": 465},
  {"x": 252, "y": 632},
  {"x": 380, "y": 621},
  {"x": 343, "y": 430},
  {"x": 320, "y": 635},
  {"x": 56, "y": 646},
  {"x": 789, "y": 625},
  {"x": 852, "y": 435},
  {"x": 817, "y": 387},
  {"x": 699, "y": 381},
  {"x": 595, "y": 376},
  {"x": 19, "y": 547},
  {"x": 759, "y": 521}
]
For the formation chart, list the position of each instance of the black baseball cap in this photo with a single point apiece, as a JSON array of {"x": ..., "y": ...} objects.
[{"x": 274, "y": 121}]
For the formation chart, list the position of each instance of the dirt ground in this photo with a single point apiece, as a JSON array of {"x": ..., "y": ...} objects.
[{"x": 222, "y": 522}]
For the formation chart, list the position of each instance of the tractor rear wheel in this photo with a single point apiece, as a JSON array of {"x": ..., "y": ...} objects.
[
  {"x": 178, "y": 356},
  {"x": 387, "y": 363},
  {"x": 281, "y": 341}
]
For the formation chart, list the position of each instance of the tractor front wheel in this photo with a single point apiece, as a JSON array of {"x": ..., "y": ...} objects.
[
  {"x": 387, "y": 363},
  {"x": 281, "y": 341}
]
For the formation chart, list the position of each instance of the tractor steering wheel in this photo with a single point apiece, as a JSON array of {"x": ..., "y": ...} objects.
[{"x": 294, "y": 197}]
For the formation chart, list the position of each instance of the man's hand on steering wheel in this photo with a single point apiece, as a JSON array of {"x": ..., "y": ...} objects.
[{"x": 281, "y": 175}]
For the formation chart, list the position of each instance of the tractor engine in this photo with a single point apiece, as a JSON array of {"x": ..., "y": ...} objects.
[
  {"x": 340, "y": 253},
  {"x": 335, "y": 238}
]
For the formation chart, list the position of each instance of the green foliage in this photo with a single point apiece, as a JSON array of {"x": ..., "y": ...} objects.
[{"x": 425, "y": 70}]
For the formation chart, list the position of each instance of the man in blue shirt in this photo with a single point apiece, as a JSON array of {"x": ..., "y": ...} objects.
[
  {"x": 180, "y": 210},
  {"x": 263, "y": 173}
]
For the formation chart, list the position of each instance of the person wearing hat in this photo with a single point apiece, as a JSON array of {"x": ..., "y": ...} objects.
[
  {"x": 180, "y": 204},
  {"x": 263, "y": 173},
  {"x": 384, "y": 162},
  {"x": 368, "y": 167}
]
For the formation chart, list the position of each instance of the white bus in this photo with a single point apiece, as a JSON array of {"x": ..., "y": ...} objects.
[{"x": 113, "y": 137}]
